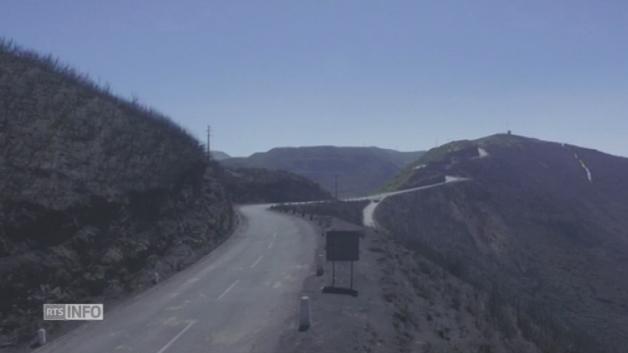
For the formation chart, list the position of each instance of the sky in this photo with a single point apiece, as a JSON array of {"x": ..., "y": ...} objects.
[{"x": 406, "y": 75}]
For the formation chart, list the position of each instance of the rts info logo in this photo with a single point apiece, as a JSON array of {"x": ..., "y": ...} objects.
[{"x": 73, "y": 312}]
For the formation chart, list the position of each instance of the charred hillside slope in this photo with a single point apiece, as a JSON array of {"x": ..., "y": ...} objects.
[
  {"x": 96, "y": 193},
  {"x": 540, "y": 226}
]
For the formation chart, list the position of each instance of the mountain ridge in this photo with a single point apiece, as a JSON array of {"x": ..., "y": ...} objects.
[
  {"x": 359, "y": 170},
  {"x": 257, "y": 185}
]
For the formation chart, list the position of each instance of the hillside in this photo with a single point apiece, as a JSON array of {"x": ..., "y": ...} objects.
[
  {"x": 540, "y": 226},
  {"x": 256, "y": 185},
  {"x": 97, "y": 193},
  {"x": 359, "y": 170},
  {"x": 406, "y": 303}
]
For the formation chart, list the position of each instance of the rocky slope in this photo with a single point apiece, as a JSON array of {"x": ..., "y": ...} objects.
[
  {"x": 540, "y": 226},
  {"x": 257, "y": 185},
  {"x": 97, "y": 194},
  {"x": 359, "y": 170}
]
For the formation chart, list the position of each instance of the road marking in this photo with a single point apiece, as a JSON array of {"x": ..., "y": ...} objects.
[
  {"x": 272, "y": 241},
  {"x": 257, "y": 261},
  {"x": 163, "y": 349},
  {"x": 228, "y": 289},
  {"x": 191, "y": 281}
]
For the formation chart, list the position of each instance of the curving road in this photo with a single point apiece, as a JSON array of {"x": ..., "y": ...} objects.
[
  {"x": 239, "y": 298},
  {"x": 368, "y": 213}
]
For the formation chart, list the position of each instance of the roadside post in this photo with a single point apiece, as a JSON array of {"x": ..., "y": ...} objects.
[
  {"x": 304, "y": 313},
  {"x": 156, "y": 277},
  {"x": 41, "y": 337},
  {"x": 320, "y": 270}
]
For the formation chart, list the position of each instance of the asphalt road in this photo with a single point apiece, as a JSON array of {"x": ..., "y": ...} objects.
[{"x": 239, "y": 298}]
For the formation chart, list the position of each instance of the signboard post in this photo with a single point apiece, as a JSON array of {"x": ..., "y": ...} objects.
[{"x": 342, "y": 245}]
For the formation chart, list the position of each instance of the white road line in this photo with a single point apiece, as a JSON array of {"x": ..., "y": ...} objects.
[
  {"x": 257, "y": 261},
  {"x": 228, "y": 289},
  {"x": 272, "y": 241},
  {"x": 163, "y": 349}
]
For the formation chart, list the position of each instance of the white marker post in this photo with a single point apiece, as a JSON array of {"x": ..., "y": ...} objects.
[
  {"x": 304, "y": 316},
  {"x": 41, "y": 336}
]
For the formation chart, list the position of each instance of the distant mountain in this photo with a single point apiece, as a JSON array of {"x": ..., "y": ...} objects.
[
  {"x": 256, "y": 185},
  {"x": 359, "y": 170},
  {"x": 541, "y": 226},
  {"x": 96, "y": 193},
  {"x": 219, "y": 155}
]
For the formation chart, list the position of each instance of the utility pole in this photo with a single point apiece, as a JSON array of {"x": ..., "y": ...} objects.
[
  {"x": 209, "y": 155},
  {"x": 336, "y": 186}
]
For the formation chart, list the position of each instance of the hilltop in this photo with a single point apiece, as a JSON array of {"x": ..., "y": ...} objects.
[
  {"x": 219, "y": 155},
  {"x": 359, "y": 170}
]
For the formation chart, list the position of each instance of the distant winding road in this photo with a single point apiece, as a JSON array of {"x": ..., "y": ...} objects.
[
  {"x": 239, "y": 298},
  {"x": 368, "y": 214}
]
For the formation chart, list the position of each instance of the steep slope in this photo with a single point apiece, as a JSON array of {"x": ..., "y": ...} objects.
[
  {"x": 256, "y": 185},
  {"x": 359, "y": 170},
  {"x": 540, "y": 225},
  {"x": 97, "y": 194}
]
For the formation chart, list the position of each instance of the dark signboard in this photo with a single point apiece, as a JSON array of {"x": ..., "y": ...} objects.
[{"x": 343, "y": 245}]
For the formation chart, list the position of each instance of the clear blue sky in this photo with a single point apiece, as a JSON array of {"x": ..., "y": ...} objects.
[{"x": 398, "y": 74}]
